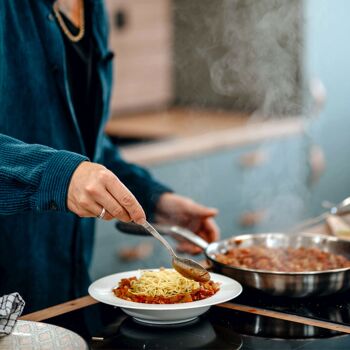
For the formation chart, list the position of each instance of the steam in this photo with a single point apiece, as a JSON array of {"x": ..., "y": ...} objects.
[
  {"x": 247, "y": 55},
  {"x": 259, "y": 64}
]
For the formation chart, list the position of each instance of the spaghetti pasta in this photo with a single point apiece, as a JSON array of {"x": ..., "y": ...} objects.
[{"x": 165, "y": 286}]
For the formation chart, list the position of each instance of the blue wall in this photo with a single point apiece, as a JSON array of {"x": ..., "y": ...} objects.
[{"x": 327, "y": 30}]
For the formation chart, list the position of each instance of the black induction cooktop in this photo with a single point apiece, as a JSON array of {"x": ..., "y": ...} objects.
[
  {"x": 106, "y": 327},
  {"x": 333, "y": 308}
]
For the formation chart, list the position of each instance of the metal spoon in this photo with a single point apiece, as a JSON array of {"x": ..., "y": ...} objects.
[
  {"x": 186, "y": 267},
  {"x": 339, "y": 209}
]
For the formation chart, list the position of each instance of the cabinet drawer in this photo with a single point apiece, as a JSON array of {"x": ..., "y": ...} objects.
[{"x": 141, "y": 21}]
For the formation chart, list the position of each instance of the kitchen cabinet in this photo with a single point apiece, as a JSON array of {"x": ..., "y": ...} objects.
[
  {"x": 140, "y": 37},
  {"x": 257, "y": 188},
  {"x": 274, "y": 186}
]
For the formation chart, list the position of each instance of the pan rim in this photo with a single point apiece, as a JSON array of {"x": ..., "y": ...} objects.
[
  {"x": 279, "y": 272},
  {"x": 295, "y": 273}
]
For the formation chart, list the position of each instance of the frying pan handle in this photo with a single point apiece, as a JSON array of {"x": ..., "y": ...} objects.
[
  {"x": 188, "y": 235},
  {"x": 171, "y": 230}
]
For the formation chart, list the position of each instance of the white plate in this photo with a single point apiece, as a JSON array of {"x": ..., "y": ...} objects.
[
  {"x": 101, "y": 290},
  {"x": 28, "y": 335}
]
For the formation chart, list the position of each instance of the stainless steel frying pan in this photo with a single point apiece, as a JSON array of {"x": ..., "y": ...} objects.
[{"x": 291, "y": 284}]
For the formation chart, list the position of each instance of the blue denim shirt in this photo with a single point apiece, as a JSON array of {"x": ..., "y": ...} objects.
[{"x": 44, "y": 249}]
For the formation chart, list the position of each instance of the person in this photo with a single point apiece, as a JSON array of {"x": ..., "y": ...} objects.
[{"x": 58, "y": 170}]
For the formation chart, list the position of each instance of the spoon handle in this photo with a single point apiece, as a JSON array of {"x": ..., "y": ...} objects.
[
  {"x": 172, "y": 230},
  {"x": 157, "y": 235}
]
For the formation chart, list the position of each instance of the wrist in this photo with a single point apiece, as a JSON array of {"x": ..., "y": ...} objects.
[{"x": 162, "y": 201}]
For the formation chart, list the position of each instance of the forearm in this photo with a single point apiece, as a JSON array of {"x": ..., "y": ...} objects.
[{"x": 34, "y": 177}]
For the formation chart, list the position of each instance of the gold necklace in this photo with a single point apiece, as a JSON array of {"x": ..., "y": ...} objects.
[{"x": 66, "y": 31}]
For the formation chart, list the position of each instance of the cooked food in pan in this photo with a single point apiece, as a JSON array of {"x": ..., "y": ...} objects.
[
  {"x": 165, "y": 286},
  {"x": 282, "y": 259}
]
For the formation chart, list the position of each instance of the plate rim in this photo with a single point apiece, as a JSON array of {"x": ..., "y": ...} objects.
[{"x": 212, "y": 300}]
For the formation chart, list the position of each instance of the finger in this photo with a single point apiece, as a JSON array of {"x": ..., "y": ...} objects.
[
  {"x": 196, "y": 209},
  {"x": 107, "y": 201},
  {"x": 94, "y": 210},
  {"x": 187, "y": 247},
  {"x": 210, "y": 230},
  {"x": 97, "y": 209},
  {"x": 85, "y": 213},
  {"x": 108, "y": 217},
  {"x": 89, "y": 214},
  {"x": 112, "y": 206},
  {"x": 81, "y": 211},
  {"x": 126, "y": 200}
]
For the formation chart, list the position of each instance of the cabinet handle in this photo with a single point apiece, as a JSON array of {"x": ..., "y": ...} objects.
[
  {"x": 253, "y": 159},
  {"x": 252, "y": 218},
  {"x": 120, "y": 19}
]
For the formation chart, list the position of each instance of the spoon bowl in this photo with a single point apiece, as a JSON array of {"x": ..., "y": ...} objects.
[
  {"x": 190, "y": 269},
  {"x": 186, "y": 267}
]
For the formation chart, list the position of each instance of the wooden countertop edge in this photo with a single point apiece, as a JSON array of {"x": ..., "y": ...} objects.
[
  {"x": 287, "y": 317},
  {"x": 161, "y": 151},
  {"x": 76, "y": 304},
  {"x": 60, "y": 309}
]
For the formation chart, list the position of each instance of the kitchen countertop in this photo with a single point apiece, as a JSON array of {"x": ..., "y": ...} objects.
[
  {"x": 180, "y": 133},
  {"x": 225, "y": 326},
  {"x": 254, "y": 320}
]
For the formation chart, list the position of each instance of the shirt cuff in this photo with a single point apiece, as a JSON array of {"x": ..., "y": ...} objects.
[{"x": 53, "y": 189}]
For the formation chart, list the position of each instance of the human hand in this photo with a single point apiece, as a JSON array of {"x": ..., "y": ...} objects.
[
  {"x": 178, "y": 210},
  {"x": 93, "y": 187}
]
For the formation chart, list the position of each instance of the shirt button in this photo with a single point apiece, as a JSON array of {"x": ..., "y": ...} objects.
[
  {"x": 53, "y": 205},
  {"x": 51, "y": 17}
]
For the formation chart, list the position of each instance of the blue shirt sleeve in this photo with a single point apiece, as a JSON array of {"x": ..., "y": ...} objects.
[
  {"x": 34, "y": 177},
  {"x": 138, "y": 180}
]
